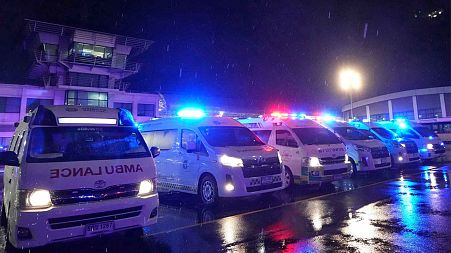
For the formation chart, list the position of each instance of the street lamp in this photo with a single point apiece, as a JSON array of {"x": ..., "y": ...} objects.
[{"x": 350, "y": 80}]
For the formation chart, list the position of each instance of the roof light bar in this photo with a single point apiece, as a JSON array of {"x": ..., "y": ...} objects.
[
  {"x": 96, "y": 121},
  {"x": 194, "y": 113}
]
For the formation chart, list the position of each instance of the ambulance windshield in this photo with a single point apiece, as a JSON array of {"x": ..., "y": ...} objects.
[
  {"x": 230, "y": 136},
  {"x": 61, "y": 144},
  {"x": 316, "y": 136}
]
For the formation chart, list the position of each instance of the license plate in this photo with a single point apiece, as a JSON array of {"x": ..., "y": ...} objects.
[
  {"x": 267, "y": 180},
  {"x": 378, "y": 161},
  {"x": 101, "y": 227}
]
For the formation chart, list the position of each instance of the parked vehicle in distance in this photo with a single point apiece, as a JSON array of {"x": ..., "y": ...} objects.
[
  {"x": 74, "y": 172},
  {"x": 402, "y": 150},
  {"x": 212, "y": 157},
  {"x": 366, "y": 152},
  {"x": 310, "y": 152},
  {"x": 430, "y": 146},
  {"x": 441, "y": 127}
]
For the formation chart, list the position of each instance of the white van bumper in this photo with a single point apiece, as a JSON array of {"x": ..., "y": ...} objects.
[
  {"x": 248, "y": 186},
  {"x": 68, "y": 222}
]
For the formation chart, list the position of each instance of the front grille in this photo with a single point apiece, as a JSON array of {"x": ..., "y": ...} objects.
[
  {"x": 263, "y": 187},
  {"x": 382, "y": 165},
  {"x": 379, "y": 152},
  {"x": 62, "y": 197},
  {"x": 261, "y": 167},
  {"x": 411, "y": 147},
  {"x": 439, "y": 149},
  {"x": 79, "y": 220},
  {"x": 331, "y": 160},
  {"x": 335, "y": 172}
]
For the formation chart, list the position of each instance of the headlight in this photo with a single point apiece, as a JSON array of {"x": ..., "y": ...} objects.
[
  {"x": 231, "y": 161},
  {"x": 312, "y": 161},
  {"x": 403, "y": 145},
  {"x": 146, "y": 187},
  {"x": 442, "y": 143},
  {"x": 38, "y": 198},
  {"x": 430, "y": 146}
]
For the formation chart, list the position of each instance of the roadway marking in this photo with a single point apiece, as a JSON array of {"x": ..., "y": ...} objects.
[{"x": 296, "y": 202}]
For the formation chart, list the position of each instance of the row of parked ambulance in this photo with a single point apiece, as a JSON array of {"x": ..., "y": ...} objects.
[{"x": 73, "y": 172}]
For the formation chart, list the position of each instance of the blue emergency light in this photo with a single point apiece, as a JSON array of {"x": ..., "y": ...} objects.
[{"x": 193, "y": 113}]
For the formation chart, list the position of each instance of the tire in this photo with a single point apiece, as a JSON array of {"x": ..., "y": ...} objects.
[
  {"x": 289, "y": 180},
  {"x": 208, "y": 190}
]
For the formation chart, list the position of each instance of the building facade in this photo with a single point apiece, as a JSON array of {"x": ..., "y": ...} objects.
[
  {"x": 412, "y": 104},
  {"x": 73, "y": 66}
]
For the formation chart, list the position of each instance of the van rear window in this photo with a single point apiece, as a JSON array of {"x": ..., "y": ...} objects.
[{"x": 62, "y": 144}]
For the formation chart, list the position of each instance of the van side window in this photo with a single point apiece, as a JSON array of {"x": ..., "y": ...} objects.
[
  {"x": 163, "y": 139},
  {"x": 285, "y": 138},
  {"x": 190, "y": 140},
  {"x": 263, "y": 135}
]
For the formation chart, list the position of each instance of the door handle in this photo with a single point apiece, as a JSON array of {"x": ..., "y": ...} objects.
[
  {"x": 185, "y": 164},
  {"x": 9, "y": 181}
]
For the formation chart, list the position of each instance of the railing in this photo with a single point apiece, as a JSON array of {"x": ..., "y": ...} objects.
[{"x": 138, "y": 45}]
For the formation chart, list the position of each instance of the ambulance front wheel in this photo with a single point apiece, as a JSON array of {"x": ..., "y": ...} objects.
[
  {"x": 208, "y": 190},
  {"x": 289, "y": 180}
]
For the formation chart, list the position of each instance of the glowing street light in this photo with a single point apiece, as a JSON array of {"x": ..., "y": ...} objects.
[{"x": 350, "y": 80}]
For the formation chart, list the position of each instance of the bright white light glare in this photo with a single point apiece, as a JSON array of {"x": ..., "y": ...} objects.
[
  {"x": 346, "y": 158},
  {"x": 229, "y": 187},
  {"x": 191, "y": 113},
  {"x": 350, "y": 79},
  {"x": 145, "y": 187},
  {"x": 403, "y": 145},
  {"x": 231, "y": 161},
  {"x": 430, "y": 146},
  {"x": 314, "y": 162},
  {"x": 99, "y": 121},
  {"x": 400, "y": 158},
  {"x": 39, "y": 198}
]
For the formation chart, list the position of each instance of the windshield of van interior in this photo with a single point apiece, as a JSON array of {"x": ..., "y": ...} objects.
[
  {"x": 350, "y": 133},
  {"x": 387, "y": 134},
  {"x": 316, "y": 136},
  {"x": 222, "y": 136},
  {"x": 425, "y": 132},
  {"x": 62, "y": 144}
]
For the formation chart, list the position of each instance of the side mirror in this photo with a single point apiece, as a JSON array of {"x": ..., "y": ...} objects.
[
  {"x": 191, "y": 147},
  {"x": 155, "y": 151},
  {"x": 9, "y": 158}
]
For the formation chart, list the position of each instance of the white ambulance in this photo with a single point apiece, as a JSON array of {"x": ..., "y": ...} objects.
[
  {"x": 402, "y": 150},
  {"x": 212, "y": 157},
  {"x": 366, "y": 152},
  {"x": 310, "y": 152},
  {"x": 73, "y": 172},
  {"x": 430, "y": 146}
]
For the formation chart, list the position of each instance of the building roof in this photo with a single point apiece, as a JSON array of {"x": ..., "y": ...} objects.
[{"x": 395, "y": 95}]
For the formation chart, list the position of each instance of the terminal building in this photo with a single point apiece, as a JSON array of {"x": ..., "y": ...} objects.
[
  {"x": 74, "y": 66},
  {"x": 416, "y": 105}
]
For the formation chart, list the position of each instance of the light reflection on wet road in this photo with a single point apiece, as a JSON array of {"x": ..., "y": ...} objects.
[{"x": 410, "y": 212}]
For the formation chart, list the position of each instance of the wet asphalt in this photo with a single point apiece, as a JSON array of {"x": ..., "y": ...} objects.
[{"x": 398, "y": 210}]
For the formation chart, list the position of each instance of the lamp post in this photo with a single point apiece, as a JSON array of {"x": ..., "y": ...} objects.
[{"x": 349, "y": 81}]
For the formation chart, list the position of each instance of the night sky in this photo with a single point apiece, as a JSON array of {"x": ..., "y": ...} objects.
[{"x": 265, "y": 53}]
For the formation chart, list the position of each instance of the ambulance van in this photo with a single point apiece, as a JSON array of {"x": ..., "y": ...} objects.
[
  {"x": 73, "y": 172},
  {"x": 311, "y": 153},
  {"x": 430, "y": 146},
  {"x": 402, "y": 150},
  {"x": 365, "y": 151},
  {"x": 212, "y": 157}
]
